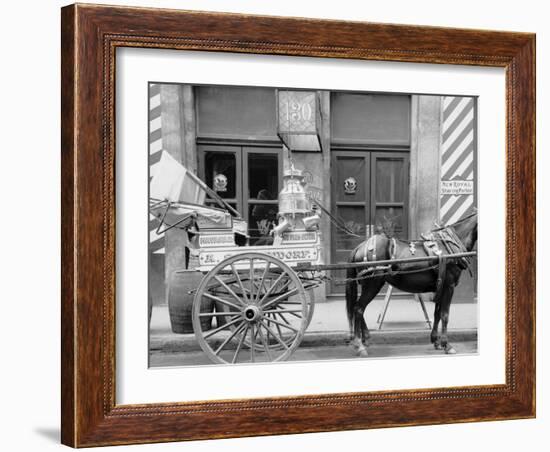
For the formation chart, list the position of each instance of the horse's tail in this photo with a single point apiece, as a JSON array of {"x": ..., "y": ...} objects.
[{"x": 351, "y": 295}]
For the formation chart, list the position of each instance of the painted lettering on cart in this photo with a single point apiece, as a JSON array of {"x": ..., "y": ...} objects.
[
  {"x": 291, "y": 255},
  {"x": 299, "y": 236},
  {"x": 287, "y": 255},
  {"x": 216, "y": 240}
]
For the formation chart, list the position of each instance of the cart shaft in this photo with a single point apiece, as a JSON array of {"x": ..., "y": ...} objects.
[{"x": 366, "y": 264}]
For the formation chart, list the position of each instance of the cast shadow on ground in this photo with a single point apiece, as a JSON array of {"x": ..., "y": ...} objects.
[{"x": 50, "y": 433}]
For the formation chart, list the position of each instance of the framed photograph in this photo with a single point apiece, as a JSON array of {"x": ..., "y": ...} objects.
[{"x": 282, "y": 225}]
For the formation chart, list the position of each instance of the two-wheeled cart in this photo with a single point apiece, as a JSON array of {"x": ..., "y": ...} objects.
[{"x": 255, "y": 303}]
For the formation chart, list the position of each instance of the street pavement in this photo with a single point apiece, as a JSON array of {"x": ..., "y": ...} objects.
[
  {"x": 403, "y": 333},
  {"x": 332, "y": 352}
]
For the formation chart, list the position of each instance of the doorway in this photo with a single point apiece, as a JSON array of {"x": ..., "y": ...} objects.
[
  {"x": 248, "y": 178},
  {"x": 369, "y": 194}
]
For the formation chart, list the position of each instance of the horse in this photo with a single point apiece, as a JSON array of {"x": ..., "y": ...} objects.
[{"x": 415, "y": 277}]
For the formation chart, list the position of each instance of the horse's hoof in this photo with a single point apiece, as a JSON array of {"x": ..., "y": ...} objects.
[
  {"x": 437, "y": 346},
  {"x": 362, "y": 353},
  {"x": 450, "y": 350}
]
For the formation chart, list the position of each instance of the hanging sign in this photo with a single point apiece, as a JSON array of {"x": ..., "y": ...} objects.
[{"x": 299, "y": 120}]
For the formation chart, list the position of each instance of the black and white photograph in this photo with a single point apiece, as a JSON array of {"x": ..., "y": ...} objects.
[{"x": 305, "y": 224}]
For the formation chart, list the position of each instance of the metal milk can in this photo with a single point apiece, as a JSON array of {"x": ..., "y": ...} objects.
[{"x": 293, "y": 198}]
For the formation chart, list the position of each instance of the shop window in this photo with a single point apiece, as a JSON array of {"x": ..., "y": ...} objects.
[
  {"x": 236, "y": 112},
  {"x": 370, "y": 119}
]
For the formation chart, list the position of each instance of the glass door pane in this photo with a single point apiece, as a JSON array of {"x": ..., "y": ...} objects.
[
  {"x": 220, "y": 168},
  {"x": 221, "y": 173},
  {"x": 262, "y": 182},
  {"x": 389, "y": 193},
  {"x": 263, "y": 175}
]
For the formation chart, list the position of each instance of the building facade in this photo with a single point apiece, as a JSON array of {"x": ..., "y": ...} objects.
[{"x": 394, "y": 162}]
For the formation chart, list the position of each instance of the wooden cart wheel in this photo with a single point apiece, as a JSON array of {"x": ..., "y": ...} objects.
[
  {"x": 265, "y": 310},
  {"x": 278, "y": 316}
]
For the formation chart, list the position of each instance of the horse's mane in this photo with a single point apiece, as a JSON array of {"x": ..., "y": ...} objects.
[
  {"x": 462, "y": 220},
  {"x": 452, "y": 225}
]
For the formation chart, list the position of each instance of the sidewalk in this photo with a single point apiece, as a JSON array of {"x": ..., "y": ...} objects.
[{"x": 404, "y": 324}]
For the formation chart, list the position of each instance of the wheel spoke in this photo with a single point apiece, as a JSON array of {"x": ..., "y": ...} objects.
[
  {"x": 293, "y": 313},
  {"x": 283, "y": 318},
  {"x": 272, "y": 316},
  {"x": 286, "y": 284},
  {"x": 274, "y": 335},
  {"x": 281, "y": 290},
  {"x": 252, "y": 342},
  {"x": 277, "y": 326},
  {"x": 239, "y": 345},
  {"x": 221, "y": 300},
  {"x": 233, "y": 294},
  {"x": 251, "y": 279},
  {"x": 262, "y": 338},
  {"x": 212, "y": 287},
  {"x": 268, "y": 264},
  {"x": 236, "y": 273},
  {"x": 279, "y": 298},
  {"x": 273, "y": 311},
  {"x": 284, "y": 325},
  {"x": 220, "y": 328},
  {"x": 233, "y": 334},
  {"x": 218, "y": 313},
  {"x": 267, "y": 335},
  {"x": 271, "y": 288}
]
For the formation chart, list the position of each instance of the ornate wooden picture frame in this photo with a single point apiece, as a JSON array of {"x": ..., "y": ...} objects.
[{"x": 90, "y": 38}]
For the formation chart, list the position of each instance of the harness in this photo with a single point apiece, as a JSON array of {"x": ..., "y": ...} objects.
[
  {"x": 432, "y": 242},
  {"x": 452, "y": 243}
]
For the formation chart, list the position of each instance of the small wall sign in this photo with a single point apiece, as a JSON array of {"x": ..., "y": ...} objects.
[{"x": 457, "y": 187}]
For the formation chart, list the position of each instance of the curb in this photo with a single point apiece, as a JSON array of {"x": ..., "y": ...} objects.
[{"x": 179, "y": 343}]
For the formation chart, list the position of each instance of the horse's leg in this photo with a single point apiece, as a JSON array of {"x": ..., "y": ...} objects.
[
  {"x": 369, "y": 290},
  {"x": 434, "y": 337},
  {"x": 446, "y": 298},
  {"x": 356, "y": 320}
]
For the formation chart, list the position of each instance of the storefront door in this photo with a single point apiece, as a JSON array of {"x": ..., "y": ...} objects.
[
  {"x": 369, "y": 194},
  {"x": 248, "y": 178}
]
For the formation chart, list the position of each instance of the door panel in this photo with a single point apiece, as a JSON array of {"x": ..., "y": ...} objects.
[
  {"x": 354, "y": 169},
  {"x": 369, "y": 193},
  {"x": 350, "y": 188}
]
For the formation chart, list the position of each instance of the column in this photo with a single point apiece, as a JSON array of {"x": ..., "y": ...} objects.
[
  {"x": 178, "y": 139},
  {"x": 424, "y": 164}
]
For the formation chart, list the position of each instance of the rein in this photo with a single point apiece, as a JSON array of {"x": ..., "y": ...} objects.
[{"x": 335, "y": 221}]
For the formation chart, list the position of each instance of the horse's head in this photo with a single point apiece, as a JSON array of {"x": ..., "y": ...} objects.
[{"x": 466, "y": 229}]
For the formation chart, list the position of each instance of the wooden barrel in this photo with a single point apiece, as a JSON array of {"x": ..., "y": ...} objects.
[{"x": 180, "y": 301}]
